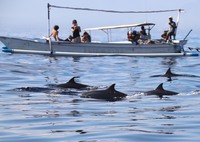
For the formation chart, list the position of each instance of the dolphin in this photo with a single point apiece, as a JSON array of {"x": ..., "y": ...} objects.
[
  {"x": 51, "y": 87},
  {"x": 159, "y": 91},
  {"x": 72, "y": 84},
  {"x": 109, "y": 94},
  {"x": 167, "y": 74},
  {"x": 33, "y": 89},
  {"x": 170, "y": 74}
]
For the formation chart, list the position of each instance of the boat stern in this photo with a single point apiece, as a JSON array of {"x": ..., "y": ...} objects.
[{"x": 180, "y": 42}]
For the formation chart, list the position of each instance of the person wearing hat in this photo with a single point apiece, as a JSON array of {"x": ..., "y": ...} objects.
[{"x": 172, "y": 28}]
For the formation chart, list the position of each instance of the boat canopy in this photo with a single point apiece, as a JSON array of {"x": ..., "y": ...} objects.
[
  {"x": 120, "y": 26},
  {"x": 107, "y": 29}
]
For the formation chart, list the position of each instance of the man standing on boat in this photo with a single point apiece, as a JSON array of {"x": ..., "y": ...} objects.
[
  {"x": 76, "y": 31},
  {"x": 172, "y": 28}
]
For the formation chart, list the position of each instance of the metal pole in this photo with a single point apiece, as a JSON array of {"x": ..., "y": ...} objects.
[
  {"x": 187, "y": 34},
  {"x": 48, "y": 8},
  {"x": 177, "y": 22},
  {"x": 50, "y": 47}
]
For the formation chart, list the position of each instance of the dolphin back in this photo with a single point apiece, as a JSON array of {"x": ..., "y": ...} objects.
[
  {"x": 109, "y": 94},
  {"x": 72, "y": 84},
  {"x": 159, "y": 91}
]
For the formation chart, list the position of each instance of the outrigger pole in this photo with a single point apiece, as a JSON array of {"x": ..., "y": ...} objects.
[{"x": 50, "y": 47}]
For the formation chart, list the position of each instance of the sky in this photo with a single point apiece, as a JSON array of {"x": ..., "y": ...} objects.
[{"x": 29, "y": 17}]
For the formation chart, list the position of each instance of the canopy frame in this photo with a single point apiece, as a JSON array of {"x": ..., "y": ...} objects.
[{"x": 107, "y": 29}]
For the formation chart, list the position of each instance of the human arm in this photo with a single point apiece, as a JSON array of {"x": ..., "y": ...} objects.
[
  {"x": 76, "y": 28},
  {"x": 172, "y": 24}
]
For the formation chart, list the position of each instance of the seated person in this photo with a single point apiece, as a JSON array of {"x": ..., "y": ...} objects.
[
  {"x": 129, "y": 36},
  {"x": 75, "y": 31},
  {"x": 143, "y": 31},
  {"x": 55, "y": 32},
  {"x": 164, "y": 35},
  {"x": 86, "y": 37},
  {"x": 135, "y": 37}
]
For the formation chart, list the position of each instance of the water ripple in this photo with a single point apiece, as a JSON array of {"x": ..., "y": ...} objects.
[{"x": 39, "y": 112}]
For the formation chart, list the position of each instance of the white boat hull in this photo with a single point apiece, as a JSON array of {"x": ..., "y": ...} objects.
[{"x": 17, "y": 45}]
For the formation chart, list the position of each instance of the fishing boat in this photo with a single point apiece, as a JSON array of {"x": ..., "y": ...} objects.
[{"x": 65, "y": 48}]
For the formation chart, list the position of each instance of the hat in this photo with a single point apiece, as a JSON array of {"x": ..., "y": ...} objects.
[{"x": 170, "y": 17}]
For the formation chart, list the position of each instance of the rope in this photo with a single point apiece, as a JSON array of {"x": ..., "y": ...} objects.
[{"x": 114, "y": 11}]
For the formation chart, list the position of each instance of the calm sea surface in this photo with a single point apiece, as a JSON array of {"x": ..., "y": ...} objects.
[{"x": 62, "y": 115}]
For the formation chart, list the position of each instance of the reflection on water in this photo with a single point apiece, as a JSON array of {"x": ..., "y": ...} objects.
[
  {"x": 170, "y": 61},
  {"x": 33, "y": 111}
]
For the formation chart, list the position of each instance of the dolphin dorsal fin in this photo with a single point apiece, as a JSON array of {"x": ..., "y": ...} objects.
[
  {"x": 72, "y": 80},
  {"x": 168, "y": 71},
  {"x": 160, "y": 87},
  {"x": 112, "y": 87}
]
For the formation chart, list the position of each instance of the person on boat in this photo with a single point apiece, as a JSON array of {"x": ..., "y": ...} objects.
[
  {"x": 55, "y": 32},
  {"x": 143, "y": 31},
  {"x": 86, "y": 37},
  {"x": 143, "y": 35},
  {"x": 129, "y": 35},
  {"x": 75, "y": 32},
  {"x": 135, "y": 37},
  {"x": 164, "y": 35},
  {"x": 172, "y": 29}
]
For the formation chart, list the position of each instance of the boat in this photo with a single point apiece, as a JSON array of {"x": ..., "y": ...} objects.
[
  {"x": 18, "y": 45},
  {"x": 158, "y": 47}
]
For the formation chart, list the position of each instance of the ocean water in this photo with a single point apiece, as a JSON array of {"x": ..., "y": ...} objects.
[{"x": 63, "y": 116}]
